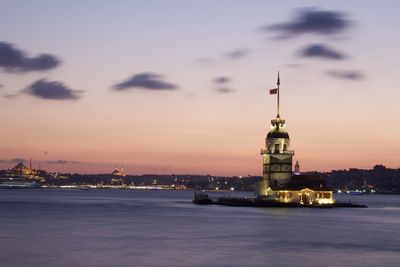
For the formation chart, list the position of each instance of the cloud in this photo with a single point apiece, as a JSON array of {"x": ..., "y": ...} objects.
[
  {"x": 52, "y": 90},
  {"x": 205, "y": 60},
  {"x": 237, "y": 53},
  {"x": 295, "y": 65},
  {"x": 10, "y": 96},
  {"x": 224, "y": 90},
  {"x": 1, "y": 86},
  {"x": 222, "y": 84},
  {"x": 321, "y": 51},
  {"x": 221, "y": 80},
  {"x": 314, "y": 21},
  {"x": 60, "y": 161},
  {"x": 347, "y": 75},
  {"x": 230, "y": 55},
  {"x": 146, "y": 80},
  {"x": 15, "y": 60},
  {"x": 14, "y": 160}
]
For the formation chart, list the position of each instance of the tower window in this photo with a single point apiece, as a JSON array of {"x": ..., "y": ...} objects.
[
  {"x": 276, "y": 148},
  {"x": 284, "y": 147}
]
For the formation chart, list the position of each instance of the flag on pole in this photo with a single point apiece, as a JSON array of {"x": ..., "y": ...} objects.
[{"x": 273, "y": 91}]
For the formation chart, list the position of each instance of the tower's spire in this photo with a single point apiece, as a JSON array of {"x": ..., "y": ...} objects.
[{"x": 278, "y": 83}]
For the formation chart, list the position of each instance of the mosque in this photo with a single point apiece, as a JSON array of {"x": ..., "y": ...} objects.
[
  {"x": 118, "y": 172},
  {"x": 21, "y": 169},
  {"x": 279, "y": 182}
]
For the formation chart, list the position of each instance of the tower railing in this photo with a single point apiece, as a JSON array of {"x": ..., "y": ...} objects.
[{"x": 266, "y": 151}]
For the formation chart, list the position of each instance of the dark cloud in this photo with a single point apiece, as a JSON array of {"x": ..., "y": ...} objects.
[
  {"x": 347, "y": 75},
  {"x": 15, "y": 60},
  {"x": 52, "y": 90},
  {"x": 238, "y": 53},
  {"x": 224, "y": 90},
  {"x": 321, "y": 51},
  {"x": 315, "y": 21},
  {"x": 60, "y": 161},
  {"x": 222, "y": 85},
  {"x": 221, "y": 80},
  {"x": 42, "y": 62},
  {"x": 146, "y": 80},
  {"x": 14, "y": 160}
]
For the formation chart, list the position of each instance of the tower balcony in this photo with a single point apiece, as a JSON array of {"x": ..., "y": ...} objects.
[
  {"x": 286, "y": 152},
  {"x": 277, "y": 121}
]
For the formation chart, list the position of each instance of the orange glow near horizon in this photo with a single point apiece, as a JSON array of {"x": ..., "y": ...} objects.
[{"x": 209, "y": 110}]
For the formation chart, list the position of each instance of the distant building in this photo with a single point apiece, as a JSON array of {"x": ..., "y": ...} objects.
[
  {"x": 279, "y": 183},
  {"x": 118, "y": 172},
  {"x": 21, "y": 169}
]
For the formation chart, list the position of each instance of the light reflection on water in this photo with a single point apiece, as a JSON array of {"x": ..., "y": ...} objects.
[{"x": 163, "y": 228}]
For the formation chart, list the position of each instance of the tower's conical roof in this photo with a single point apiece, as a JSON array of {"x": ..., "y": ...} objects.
[{"x": 278, "y": 133}]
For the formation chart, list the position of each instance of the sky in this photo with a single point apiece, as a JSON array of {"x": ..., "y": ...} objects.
[{"x": 181, "y": 87}]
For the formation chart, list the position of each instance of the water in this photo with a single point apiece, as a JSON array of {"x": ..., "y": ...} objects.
[{"x": 54, "y": 227}]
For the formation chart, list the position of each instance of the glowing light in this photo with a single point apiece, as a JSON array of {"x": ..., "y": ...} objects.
[{"x": 325, "y": 201}]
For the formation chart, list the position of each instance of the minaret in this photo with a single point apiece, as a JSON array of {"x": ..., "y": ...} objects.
[
  {"x": 277, "y": 158},
  {"x": 122, "y": 175},
  {"x": 297, "y": 168}
]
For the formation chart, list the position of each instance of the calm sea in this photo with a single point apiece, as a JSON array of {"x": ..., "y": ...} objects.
[{"x": 54, "y": 227}]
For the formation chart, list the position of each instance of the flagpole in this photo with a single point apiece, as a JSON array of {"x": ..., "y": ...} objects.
[{"x": 278, "y": 83}]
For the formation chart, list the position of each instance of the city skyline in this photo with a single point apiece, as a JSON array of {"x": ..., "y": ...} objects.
[{"x": 178, "y": 87}]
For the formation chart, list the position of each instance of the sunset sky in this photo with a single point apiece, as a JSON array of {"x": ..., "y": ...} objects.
[{"x": 182, "y": 86}]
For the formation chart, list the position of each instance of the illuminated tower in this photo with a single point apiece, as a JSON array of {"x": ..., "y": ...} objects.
[{"x": 277, "y": 158}]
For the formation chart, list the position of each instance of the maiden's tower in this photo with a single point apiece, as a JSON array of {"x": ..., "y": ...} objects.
[
  {"x": 280, "y": 186},
  {"x": 279, "y": 183}
]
